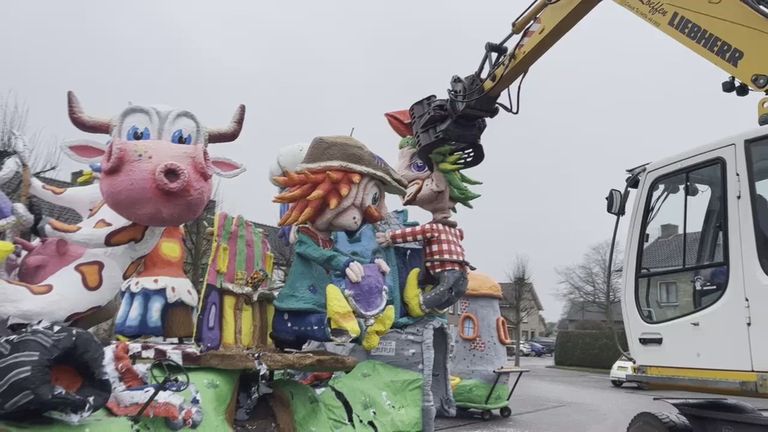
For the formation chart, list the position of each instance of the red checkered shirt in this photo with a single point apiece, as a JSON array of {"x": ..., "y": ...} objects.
[{"x": 442, "y": 245}]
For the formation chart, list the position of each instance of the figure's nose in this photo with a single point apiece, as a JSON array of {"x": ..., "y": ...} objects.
[{"x": 171, "y": 177}]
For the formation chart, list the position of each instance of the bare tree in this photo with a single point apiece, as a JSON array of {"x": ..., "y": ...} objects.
[
  {"x": 198, "y": 243},
  {"x": 518, "y": 299},
  {"x": 592, "y": 283}
]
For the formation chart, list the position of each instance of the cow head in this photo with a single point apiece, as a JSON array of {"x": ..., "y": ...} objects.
[{"x": 155, "y": 170}]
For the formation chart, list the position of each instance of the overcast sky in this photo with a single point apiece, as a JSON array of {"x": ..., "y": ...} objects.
[{"x": 612, "y": 94}]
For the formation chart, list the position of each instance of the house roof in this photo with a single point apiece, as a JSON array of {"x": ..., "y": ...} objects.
[
  {"x": 13, "y": 186},
  {"x": 507, "y": 288},
  {"x": 581, "y": 311},
  {"x": 668, "y": 252},
  {"x": 280, "y": 250},
  {"x": 481, "y": 285}
]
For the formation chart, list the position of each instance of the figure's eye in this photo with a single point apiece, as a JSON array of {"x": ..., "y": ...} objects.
[
  {"x": 136, "y": 134},
  {"x": 178, "y": 137},
  {"x": 373, "y": 195},
  {"x": 418, "y": 166},
  {"x": 375, "y": 198}
]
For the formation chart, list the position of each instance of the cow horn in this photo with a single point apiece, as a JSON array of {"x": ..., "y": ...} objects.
[
  {"x": 83, "y": 121},
  {"x": 231, "y": 132}
]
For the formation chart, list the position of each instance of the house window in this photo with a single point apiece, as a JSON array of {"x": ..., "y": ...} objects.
[
  {"x": 501, "y": 329},
  {"x": 525, "y": 334},
  {"x": 468, "y": 328},
  {"x": 667, "y": 293}
]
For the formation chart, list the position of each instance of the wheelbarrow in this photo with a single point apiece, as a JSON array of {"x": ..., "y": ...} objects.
[{"x": 487, "y": 403}]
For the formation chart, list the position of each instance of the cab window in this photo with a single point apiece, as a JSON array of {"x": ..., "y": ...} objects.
[
  {"x": 683, "y": 262},
  {"x": 757, "y": 160}
]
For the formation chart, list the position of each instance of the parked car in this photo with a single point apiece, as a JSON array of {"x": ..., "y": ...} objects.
[
  {"x": 537, "y": 349},
  {"x": 525, "y": 350},
  {"x": 619, "y": 371},
  {"x": 547, "y": 343}
]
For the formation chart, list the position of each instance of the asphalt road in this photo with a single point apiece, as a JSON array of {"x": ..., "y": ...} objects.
[{"x": 555, "y": 400}]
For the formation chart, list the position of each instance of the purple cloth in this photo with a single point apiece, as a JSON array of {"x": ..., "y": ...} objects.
[
  {"x": 6, "y": 207},
  {"x": 369, "y": 296}
]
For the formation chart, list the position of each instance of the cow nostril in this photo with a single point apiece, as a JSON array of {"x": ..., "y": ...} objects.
[{"x": 172, "y": 175}]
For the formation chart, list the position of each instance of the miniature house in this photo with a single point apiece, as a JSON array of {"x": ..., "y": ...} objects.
[
  {"x": 481, "y": 339},
  {"x": 234, "y": 311}
]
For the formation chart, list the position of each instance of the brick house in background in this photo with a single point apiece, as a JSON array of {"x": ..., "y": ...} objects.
[{"x": 586, "y": 316}]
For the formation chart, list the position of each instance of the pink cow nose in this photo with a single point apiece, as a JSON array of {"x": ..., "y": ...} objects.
[{"x": 171, "y": 177}]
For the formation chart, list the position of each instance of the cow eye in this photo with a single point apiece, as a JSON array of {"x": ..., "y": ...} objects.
[
  {"x": 178, "y": 137},
  {"x": 136, "y": 134}
]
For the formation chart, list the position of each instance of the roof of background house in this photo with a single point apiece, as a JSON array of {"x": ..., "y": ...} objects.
[
  {"x": 64, "y": 214},
  {"x": 507, "y": 288},
  {"x": 280, "y": 250},
  {"x": 580, "y": 311},
  {"x": 668, "y": 252}
]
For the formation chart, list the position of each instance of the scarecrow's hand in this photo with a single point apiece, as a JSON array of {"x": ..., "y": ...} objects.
[
  {"x": 355, "y": 272},
  {"x": 383, "y": 266},
  {"x": 383, "y": 239}
]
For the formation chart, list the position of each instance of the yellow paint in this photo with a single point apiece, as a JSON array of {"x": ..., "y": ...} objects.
[
  {"x": 480, "y": 285},
  {"x": 270, "y": 317},
  {"x": 170, "y": 249},
  {"x": 246, "y": 319},
  {"x": 454, "y": 382},
  {"x": 270, "y": 263},
  {"x": 340, "y": 314},
  {"x": 711, "y": 374},
  {"x": 380, "y": 326},
  {"x": 223, "y": 263},
  {"x": 228, "y": 320},
  {"x": 6, "y": 249},
  {"x": 412, "y": 295}
]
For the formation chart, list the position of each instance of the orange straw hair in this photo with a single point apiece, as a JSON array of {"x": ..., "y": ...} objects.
[{"x": 311, "y": 192}]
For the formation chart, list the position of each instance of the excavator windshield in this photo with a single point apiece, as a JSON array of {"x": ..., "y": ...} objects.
[{"x": 757, "y": 158}]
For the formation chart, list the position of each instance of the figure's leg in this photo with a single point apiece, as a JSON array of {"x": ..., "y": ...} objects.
[
  {"x": 381, "y": 325},
  {"x": 133, "y": 323},
  {"x": 122, "y": 314},
  {"x": 459, "y": 287},
  {"x": 442, "y": 294},
  {"x": 155, "y": 306},
  {"x": 341, "y": 318}
]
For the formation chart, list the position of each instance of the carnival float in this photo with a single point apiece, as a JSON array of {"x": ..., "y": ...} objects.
[{"x": 345, "y": 329}]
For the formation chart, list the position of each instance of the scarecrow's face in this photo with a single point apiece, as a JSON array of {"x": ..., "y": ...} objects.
[
  {"x": 363, "y": 204},
  {"x": 426, "y": 189}
]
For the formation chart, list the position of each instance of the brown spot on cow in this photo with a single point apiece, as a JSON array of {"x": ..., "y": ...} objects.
[
  {"x": 91, "y": 274},
  {"x": 133, "y": 268},
  {"x": 122, "y": 236},
  {"x": 96, "y": 209},
  {"x": 102, "y": 224},
  {"x": 54, "y": 190},
  {"x": 34, "y": 289},
  {"x": 63, "y": 227},
  {"x": 78, "y": 315}
]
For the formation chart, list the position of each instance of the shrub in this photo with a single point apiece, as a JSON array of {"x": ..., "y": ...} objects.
[{"x": 588, "y": 348}]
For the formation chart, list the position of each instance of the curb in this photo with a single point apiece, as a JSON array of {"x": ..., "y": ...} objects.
[{"x": 580, "y": 369}]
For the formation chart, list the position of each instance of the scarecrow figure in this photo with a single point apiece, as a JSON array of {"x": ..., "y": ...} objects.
[
  {"x": 339, "y": 186},
  {"x": 438, "y": 192}
]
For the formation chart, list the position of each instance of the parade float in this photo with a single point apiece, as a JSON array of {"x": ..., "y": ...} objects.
[{"x": 354, "y": 338}]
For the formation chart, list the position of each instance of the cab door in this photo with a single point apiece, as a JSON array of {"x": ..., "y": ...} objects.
[
  {"x": 684, "y": 291},
  {"x": 754, "y": 226}
]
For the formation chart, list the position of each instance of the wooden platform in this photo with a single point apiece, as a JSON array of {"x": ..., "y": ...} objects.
[{"x": 190, "y": 356}]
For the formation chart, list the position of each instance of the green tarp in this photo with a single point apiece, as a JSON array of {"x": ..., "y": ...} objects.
[
  {"x": 379, "y": 397},
  {"x": 471, "y": 393},
  {"x": 216, "y": 389}
]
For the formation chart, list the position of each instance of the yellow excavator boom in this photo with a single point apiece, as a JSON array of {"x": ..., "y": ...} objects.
[{"x": 731, "y": 34}]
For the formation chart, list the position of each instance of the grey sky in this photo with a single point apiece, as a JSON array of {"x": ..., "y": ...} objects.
[{"x": 614, "y": 93}]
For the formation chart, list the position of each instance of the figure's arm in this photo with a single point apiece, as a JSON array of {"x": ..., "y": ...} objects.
[
  {"x": 409, "y": 235},
  {"x": 329, "y": 259},
  {"x": 81, "y": 199}
]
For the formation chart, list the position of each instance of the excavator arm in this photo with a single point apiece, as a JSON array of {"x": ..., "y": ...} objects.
[{"x": 731, "y": 34}]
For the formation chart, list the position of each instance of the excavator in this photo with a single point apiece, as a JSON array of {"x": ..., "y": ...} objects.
[{"x": 695, "y": 273}]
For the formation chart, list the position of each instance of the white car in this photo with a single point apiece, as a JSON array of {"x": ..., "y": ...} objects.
[{"x": 619, "y": 371}]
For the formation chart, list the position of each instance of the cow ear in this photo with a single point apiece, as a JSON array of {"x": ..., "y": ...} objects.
[
  {"x": 226, "y": 167},
  {"x": 85, "y": 151}
]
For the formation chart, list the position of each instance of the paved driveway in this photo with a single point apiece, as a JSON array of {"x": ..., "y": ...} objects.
[{"x": 554, "y": 400}]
